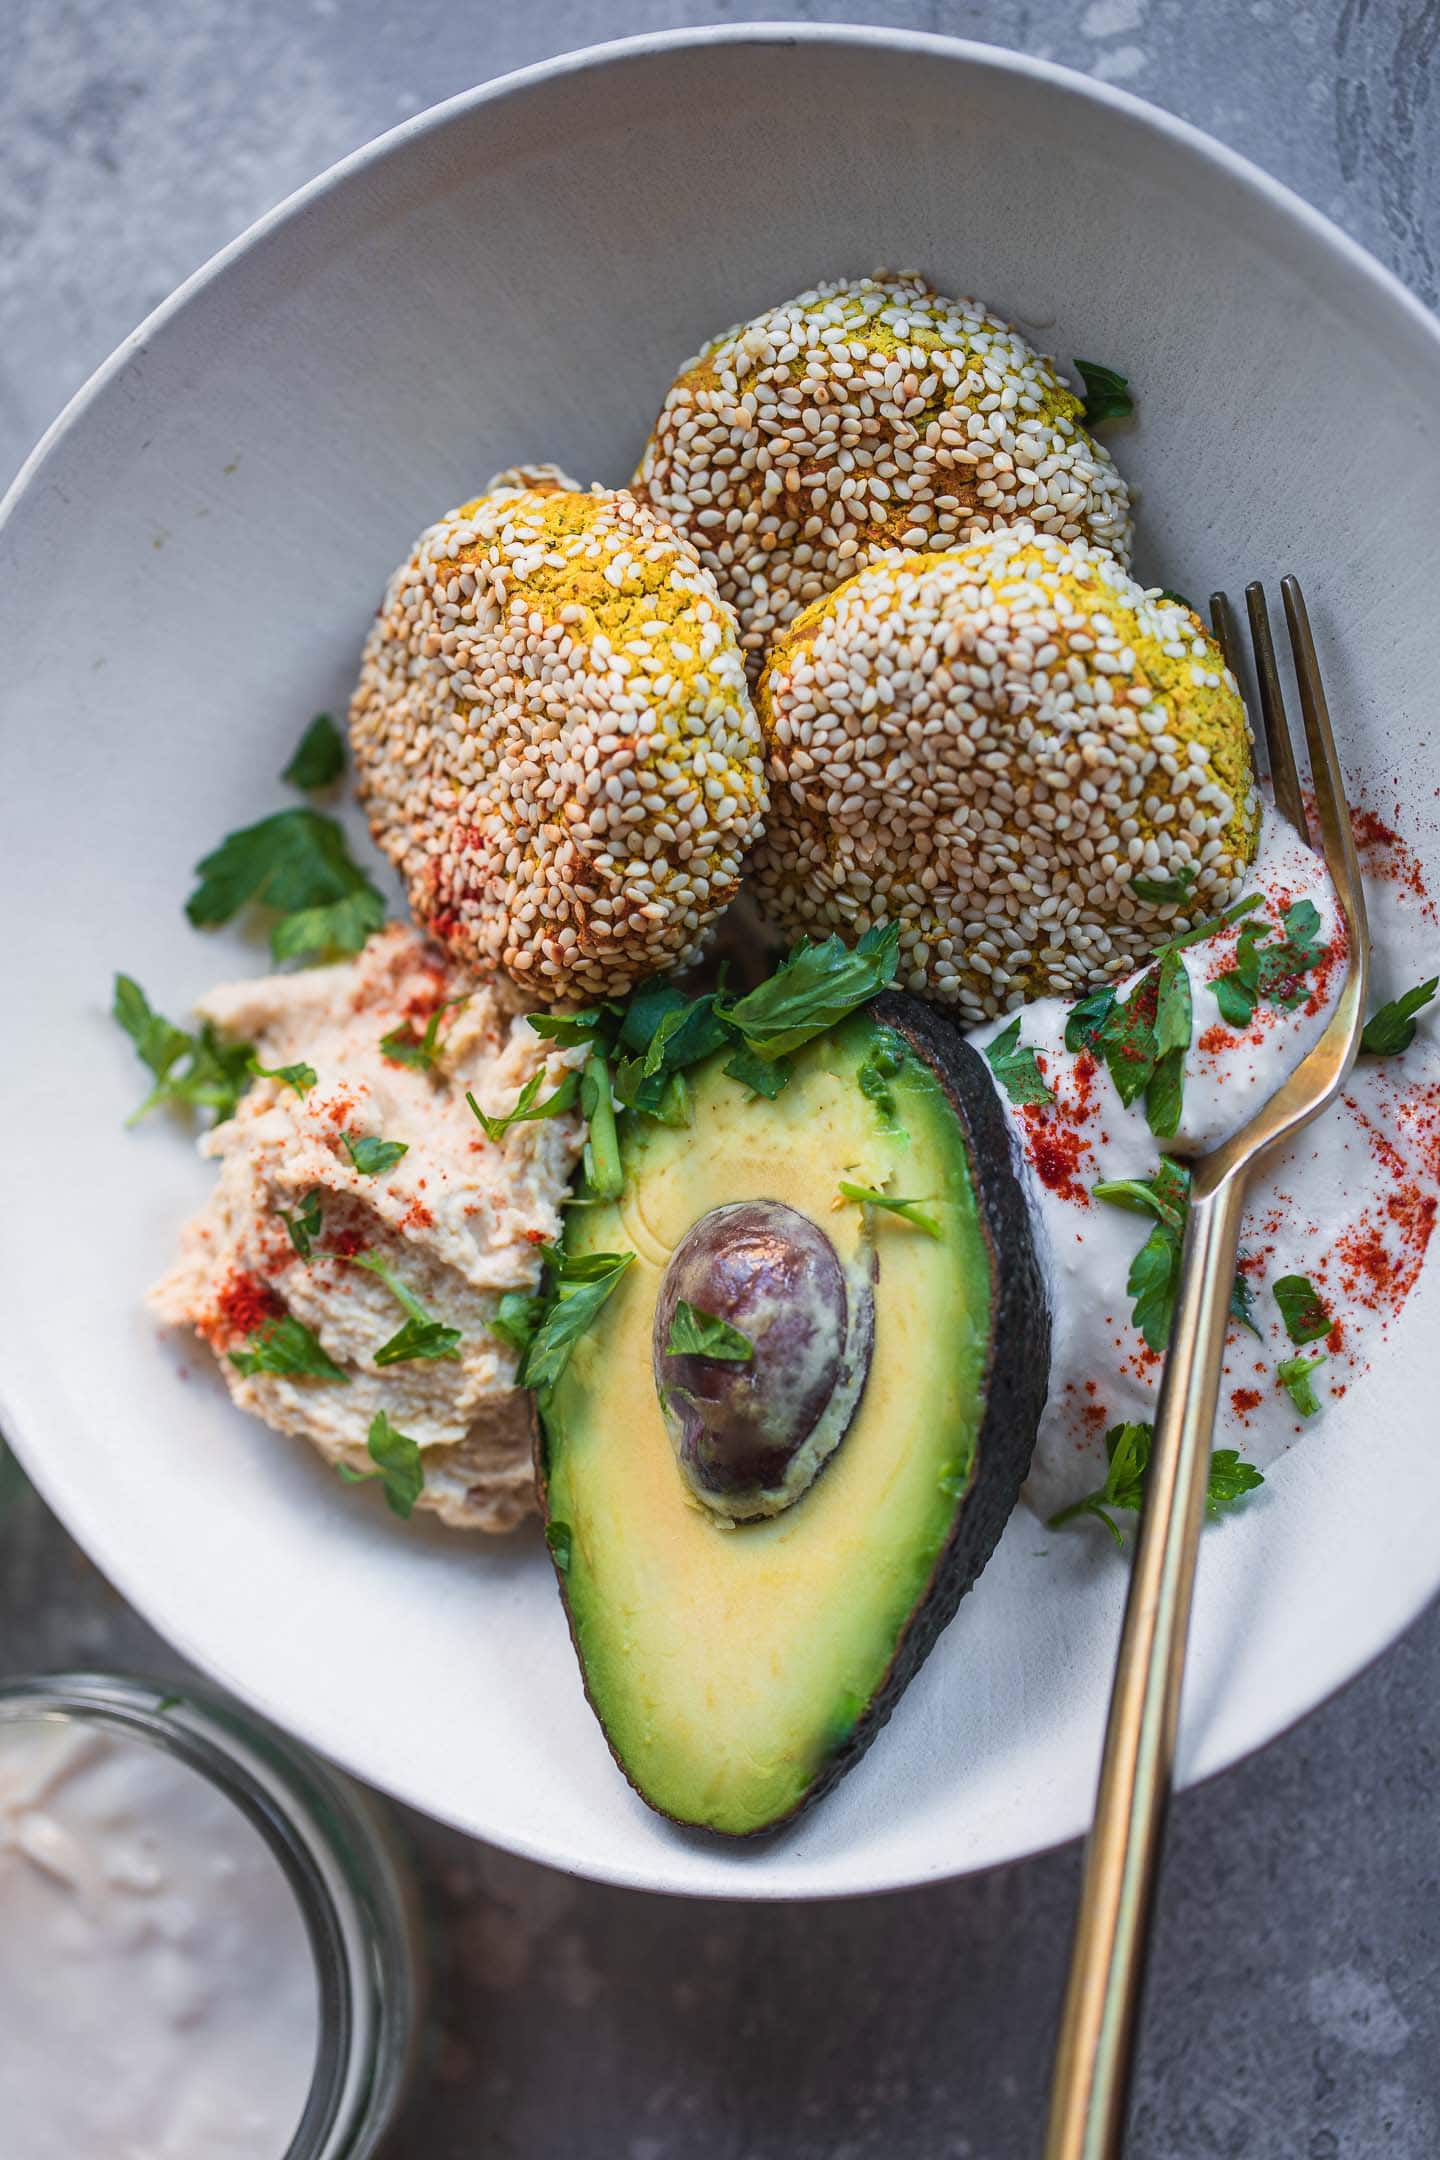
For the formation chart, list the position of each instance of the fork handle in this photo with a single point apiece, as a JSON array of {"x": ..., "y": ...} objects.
[{"x": 1122, "y": 1860}]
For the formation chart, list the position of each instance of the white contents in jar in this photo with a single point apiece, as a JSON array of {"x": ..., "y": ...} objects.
[{"x": 158, "y": 1996}]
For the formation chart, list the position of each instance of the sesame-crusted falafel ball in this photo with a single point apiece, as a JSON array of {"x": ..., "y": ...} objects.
[
  {"x": 864, "y": 416},
  {"x": 554, "y": 739},
  {"x": 1037, "y": 768}
]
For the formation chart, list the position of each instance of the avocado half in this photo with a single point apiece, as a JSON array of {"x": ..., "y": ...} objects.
[{"x": 740, "y": 1668}]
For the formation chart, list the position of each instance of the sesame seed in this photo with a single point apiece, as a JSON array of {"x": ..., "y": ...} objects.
[
  {"x": 742, "y": 433},
  {"x": 982, "y": 803},
  {"x": 506, "y": 751}
]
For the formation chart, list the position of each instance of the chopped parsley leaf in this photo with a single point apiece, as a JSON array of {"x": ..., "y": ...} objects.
[
  {"x": 398, "y": 1465},
  {"x": 304, "y": 1224},
  {"x": 673, "y": 1107},
  {"x": 419, "y": 1339},
  {"x": 873, "y": 1078},
  {"x": 1237, "y": 989},
  {"x": 910, "y": 1210},
  {"x": 812, "y": 990},
  {"x": 1107, "y": 393},
  {"x": 372, "y": 1157},
  {"x": 1301, "y": 1308},
  {"x": 212, "y": 1074},
  {"x": 298, "y": 864},
  {"x": 516, "y": 1318},
  {"x": 569, "y": 1029},
  {"x": 763, "y": 1076},
  {"x": 1231, "y": 1477},
  {"x": 1164, "y": 1092},
  {"x": 319, "y": 758},
  {"x": 1165, "y": 891},
  {"x": 1294, "y": 1374},
  {"x": 1242, "y": 1303},
  {"x": 1128, "y": 1449},
  {"x": 1207, "y": 929},
  {"x": 1392, "y": 1028},
  {"x": 1166, "y": 1195},
  {"x": 1086, "y": 1020},
  {"x": 1283, "y": 966},
  {"x": 421, "y": 1053},
  {"x": 694, "y": 1333},
  {"x": 1264, "y": 969},
  {"x": 577, "y": 1286},
  {"x": 1017, "y": 1070},
  {"x": 1126, "y": 1038},
  {"x": 1155, "y": 1271},
  {"x": 684, "y": 1035},
  {"x": 422, "y": 1336},
  {"x": 286, "y": 1347},
  {"x": 299, "y": 1077},
  {"x": 528, "y": 1109}
]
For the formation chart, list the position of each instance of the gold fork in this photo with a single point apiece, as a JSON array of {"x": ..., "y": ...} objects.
[{"x": 1122, "y": 1861}]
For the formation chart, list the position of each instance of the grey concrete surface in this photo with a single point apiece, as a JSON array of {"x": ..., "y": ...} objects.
[{"x": 1294, "y": 2013}]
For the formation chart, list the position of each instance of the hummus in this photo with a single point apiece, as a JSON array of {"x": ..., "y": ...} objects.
[{"x": 457, "y": 1220}]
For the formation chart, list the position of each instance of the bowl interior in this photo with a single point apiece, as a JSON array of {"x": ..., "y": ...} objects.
[{"x": 186, "y": 573}]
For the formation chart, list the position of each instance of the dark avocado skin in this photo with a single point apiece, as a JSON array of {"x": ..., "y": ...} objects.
[
  {"x": 1015, "y": 1388},
  {"x": 1017, "y": 1375}
]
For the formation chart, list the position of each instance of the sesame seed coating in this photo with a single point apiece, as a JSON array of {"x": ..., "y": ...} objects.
[
  {"x": 989, "y": 747},
  {"x": 867, "y": 415},
  {"x": 554, "y": 739}
]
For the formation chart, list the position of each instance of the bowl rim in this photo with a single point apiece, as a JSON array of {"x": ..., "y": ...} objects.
[
  {"x": 613, "y": 52},
  {"x": 1408, "y": 314}
]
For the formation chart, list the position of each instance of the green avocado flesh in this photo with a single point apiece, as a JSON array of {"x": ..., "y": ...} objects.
[{"x": 738, "y": 1669}]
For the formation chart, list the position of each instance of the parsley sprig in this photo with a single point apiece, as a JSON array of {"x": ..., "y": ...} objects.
[
  {"x": 1143, "y": 1039},
  {"x": 1304, "y": 1311},
  {"x": 641, "y": 1049},
  {"x": 421, "y": 1053},
  {"x": 299, "y": 1077},
  {"x": 694, "y": 1333},
  {"x": 398, "y": 1465},
  {"x": 814, "y": 989},
  {"x": 577, "y": 1285},
  {"x": 1155, "y": 1271},
  {"x": 319, "y": 757},
  {"x": 528, "y": 1105},
  {"x": 1273, "y": 972},
  {"x": 199, "y": 1071},
  {"x": 1128, "y": 1450},
  {"x": 1392, "y": 1028},
  {"x": 909, "y": 1210},
  {"x": 372, "y": 1156},
  {"x": 1295, "y": 1376},
  {"x": 1017, "y": 1070},
  {"x": 1107, "y": 393},
  {"x": 422, "y": 1336},
  {"x": 286, "y": 1348},
  {"x": 297, "y": 865},
  {"x": 304, "y": 1224},
  {"x": 1154, "y": 1274}
]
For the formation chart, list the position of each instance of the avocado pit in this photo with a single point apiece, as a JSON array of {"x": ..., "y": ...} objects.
[{"x": 751, "y": 1434}]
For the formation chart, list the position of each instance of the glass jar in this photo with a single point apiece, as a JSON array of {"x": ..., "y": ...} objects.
[{"x": 352, "y": 1889}]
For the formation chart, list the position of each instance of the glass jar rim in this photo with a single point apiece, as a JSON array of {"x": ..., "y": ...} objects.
[{"x": 336, "y": 1861}]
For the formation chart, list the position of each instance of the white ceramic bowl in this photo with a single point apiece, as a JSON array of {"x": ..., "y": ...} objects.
[{"x": 187, "y": 566}]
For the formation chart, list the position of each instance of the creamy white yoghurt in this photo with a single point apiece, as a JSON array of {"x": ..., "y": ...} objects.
[
  {"x": 158, "y": 1997},
  {"x": 1349, "y": 1205}
]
